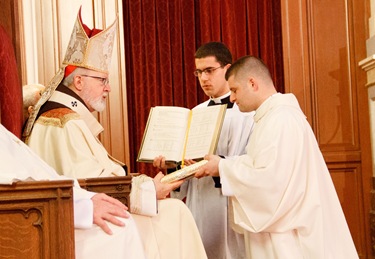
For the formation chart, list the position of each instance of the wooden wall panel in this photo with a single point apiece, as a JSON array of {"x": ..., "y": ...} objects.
[
  {"x": 323, "y": 42},
  {"x": 295, "y": 53},
  {"x": 347, "y": 180},
  {"x": 335, "y": 96}
]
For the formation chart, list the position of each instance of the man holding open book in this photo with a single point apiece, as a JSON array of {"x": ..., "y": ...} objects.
[{"x": 203, "y": 196}]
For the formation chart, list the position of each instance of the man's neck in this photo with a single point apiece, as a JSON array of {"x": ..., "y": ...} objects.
[{"x": 221, "y": 96}]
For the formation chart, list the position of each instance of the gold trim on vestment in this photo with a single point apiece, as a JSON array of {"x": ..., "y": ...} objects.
[{"x": 57, "y": 121}]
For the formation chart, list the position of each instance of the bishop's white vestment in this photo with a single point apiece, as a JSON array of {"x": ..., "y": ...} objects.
[{"x": 66, "y": 138}]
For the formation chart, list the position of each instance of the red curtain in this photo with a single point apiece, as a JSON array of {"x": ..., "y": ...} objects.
[
  {"x": 10, "y": 87},
  {"x": 161, "y": 37}
]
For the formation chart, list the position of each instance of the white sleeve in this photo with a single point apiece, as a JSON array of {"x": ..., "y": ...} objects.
[
  {"x": 143, "y": 196},
  {"x": 83, "y": 208},
  {"x": 149, "y": 202},
  {"x": 225, "y": 187}
]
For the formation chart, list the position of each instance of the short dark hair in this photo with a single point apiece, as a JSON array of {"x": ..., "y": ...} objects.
[
  {"x": 217, "y": 50},
  {"x": 249, "y": 64}
]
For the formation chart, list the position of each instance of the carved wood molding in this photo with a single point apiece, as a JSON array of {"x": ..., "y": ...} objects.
[
  {"x": 368, "y": 64},
  {"x": 117, "y": 187},
  {"x": 22, "y": 231},
  {"x": 36, "y": 220}
]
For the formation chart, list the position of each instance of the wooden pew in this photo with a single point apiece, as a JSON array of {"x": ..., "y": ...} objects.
[
  {"x": 36, "y": 217},
  {"x": 36, "y": 220}
]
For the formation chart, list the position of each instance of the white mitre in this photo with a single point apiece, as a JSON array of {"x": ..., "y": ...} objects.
[{"x": 87, "y": 48}]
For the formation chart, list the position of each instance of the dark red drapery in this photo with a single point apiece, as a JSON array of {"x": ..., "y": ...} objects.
[
  {"x": 10, "y": 87},
  {"x": 161, "y": 37}
]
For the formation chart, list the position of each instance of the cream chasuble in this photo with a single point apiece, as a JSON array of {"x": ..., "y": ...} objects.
[{"x": 67, "y": 140}]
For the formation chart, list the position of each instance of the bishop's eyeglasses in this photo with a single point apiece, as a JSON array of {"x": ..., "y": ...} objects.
[
  {"x": 208, "y": 71},
  {"x": 103, "y": 80}
]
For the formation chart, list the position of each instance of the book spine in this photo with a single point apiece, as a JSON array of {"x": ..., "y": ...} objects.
[{"x": 183, "y": 173}]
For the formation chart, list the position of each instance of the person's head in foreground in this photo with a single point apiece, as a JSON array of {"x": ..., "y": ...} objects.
[{"x": 250, "y": 83}]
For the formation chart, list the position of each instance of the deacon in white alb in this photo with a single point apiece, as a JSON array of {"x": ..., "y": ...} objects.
[{"x": 281, "y": 190}]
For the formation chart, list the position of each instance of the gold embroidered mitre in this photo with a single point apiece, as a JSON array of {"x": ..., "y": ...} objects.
[
  {"x": 92, "y": 52},
  {"x": 91, "y": 49}
]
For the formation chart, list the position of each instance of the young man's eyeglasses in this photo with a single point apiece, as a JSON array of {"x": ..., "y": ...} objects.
[
  {"x": 103, "y": 80},
  {"x": 208, "y": 71}
]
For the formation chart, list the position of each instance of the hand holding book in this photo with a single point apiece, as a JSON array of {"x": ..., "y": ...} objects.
[
  {"x": 160, "y": 163},
  {"x": 183, "y": 173},
  {"x": 178, "y": 133}
]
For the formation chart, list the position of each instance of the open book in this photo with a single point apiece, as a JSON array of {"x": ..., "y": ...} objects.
[{"x": 178, "y": 133}]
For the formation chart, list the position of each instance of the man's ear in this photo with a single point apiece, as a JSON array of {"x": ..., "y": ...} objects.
[
  {"x": 226, "y": 67},
  {"x": 253, "y": 84},
  {"x": 77, "y": 82}
]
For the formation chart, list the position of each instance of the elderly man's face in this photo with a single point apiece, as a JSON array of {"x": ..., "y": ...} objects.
[{"x": 95, "y": 89}]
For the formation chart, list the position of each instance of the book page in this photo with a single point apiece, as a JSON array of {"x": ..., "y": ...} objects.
[
  {"x": 164, "y": 134},
  {"x": 204, "y": 131}
]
